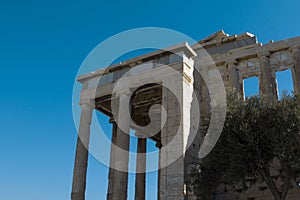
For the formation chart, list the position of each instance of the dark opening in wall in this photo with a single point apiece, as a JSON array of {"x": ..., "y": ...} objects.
[
  {"x": 251, "y": 86},
  {"x": 284, "y": 82}
]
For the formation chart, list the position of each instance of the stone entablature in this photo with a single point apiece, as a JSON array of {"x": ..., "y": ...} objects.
[
  {"x": 253, "y": 59},
  {"x": 178, "y": 57}
]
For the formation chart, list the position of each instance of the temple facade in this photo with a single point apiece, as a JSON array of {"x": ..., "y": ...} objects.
[{"x": 161, "y": 96}]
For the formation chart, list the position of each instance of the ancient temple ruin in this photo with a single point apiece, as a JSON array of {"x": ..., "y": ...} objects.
[{"x": 147, "y": 82}]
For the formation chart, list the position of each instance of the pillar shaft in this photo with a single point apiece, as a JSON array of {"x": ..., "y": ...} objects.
[
  {"x": 296, "y": 56},
  {"x": 158, "y": 145},
  {"x": 111, "y": 173},
  {"x": 268, "y": 81},
  {"x": 121, "y": 150},
  {"x": 177, "y": 100},
  {"x": 120, "y": 180},
  {"x": 234, "y": 81},
  {"x": 81, "y": 158},
  {"x": 140, "y": 179}
]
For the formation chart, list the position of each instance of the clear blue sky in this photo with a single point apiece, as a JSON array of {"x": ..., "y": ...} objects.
[{"x": 42, "y": 44}]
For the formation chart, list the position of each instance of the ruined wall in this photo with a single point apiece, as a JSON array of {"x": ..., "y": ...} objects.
[
  {"x": 238, "y": 61},
  {"x": 240, "y": 57}
]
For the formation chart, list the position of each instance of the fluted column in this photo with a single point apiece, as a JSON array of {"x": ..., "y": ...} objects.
[
  {"x": 296, "y": 56},
  {"x": 140, "y": 179},
  {"x": 121, "y": 158},
  {"x": 81, "y": 158},
  {"x": 268, "y": 83},
  {"x": 234, "y": 81},
  {"x": 111, "y": 173}
]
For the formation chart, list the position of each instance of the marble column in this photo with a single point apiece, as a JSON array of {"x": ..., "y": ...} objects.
[
  {"x": 140, "y": 179},
  {"x": 234, "y": 80},
  {"x": 158, "y": 145},
  {"x": 268, "y": 83},
  {"x": 81, "y": 159},
  {"x": 296, "y": 56},
  {"x": 111, "y": 173},
  {"x": 121, "y": 158}
]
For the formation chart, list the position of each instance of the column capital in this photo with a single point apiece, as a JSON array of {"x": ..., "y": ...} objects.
[
  {"x": 231, "y": 62},
  {"x": 138, "y": 134},
  {"x": 112, "y": 120},
  {"x": 263, "y": 54},
  {"x": 295, "y": 49},
  {"x": 121, "y": 92},
  {"x": 158, "y": 144},
  {"x": 88, "y": 104},
  {"x": 125, "y": 91}
]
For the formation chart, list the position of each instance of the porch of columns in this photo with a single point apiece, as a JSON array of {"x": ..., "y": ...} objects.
[{"x": 81, "y": 157}]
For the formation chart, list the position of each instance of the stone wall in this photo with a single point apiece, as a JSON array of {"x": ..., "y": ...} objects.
[{"x": 240, "y": 57}]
